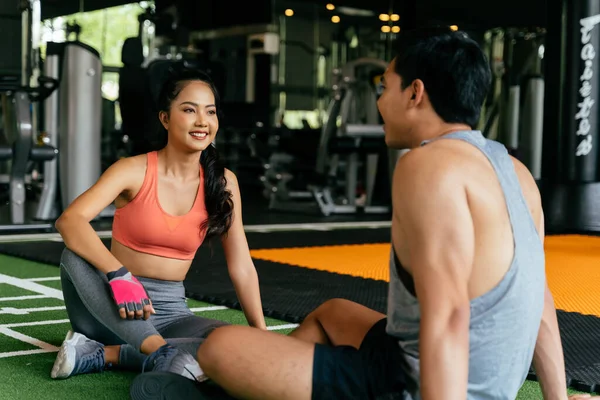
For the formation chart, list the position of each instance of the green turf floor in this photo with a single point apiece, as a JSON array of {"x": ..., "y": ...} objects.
[{"x": 31, "y": 323}]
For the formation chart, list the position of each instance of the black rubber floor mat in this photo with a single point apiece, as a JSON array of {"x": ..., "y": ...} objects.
[
  {"x": 290, "y": 293},
  {"x": 580, "y": 336}
]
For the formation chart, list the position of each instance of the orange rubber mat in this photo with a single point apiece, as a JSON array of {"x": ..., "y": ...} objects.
[
  {"x": 573, "y": 270},
  {"x": 360, "y": 260},
  {"x": 572, "y": 266}
]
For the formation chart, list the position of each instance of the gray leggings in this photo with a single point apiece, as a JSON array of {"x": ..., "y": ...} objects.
[{"x": 92, "y": 312}]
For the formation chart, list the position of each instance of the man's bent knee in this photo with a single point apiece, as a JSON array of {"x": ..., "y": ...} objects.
[
  {"x": 332, "y": 306},
  {"x": 213, "y": 347}
]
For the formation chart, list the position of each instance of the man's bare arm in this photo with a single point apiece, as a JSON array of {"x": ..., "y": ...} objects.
[
  {"x": 432, "y": 209},
  {"x": 548, "y": 358}
]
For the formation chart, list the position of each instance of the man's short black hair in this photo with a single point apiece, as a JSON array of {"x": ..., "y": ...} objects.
[{"x": 453, "y": 68}]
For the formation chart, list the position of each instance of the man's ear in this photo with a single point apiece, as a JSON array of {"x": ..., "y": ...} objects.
[
  {"x": 164, "y": 119},
  {"x": 418, "y": 91}
]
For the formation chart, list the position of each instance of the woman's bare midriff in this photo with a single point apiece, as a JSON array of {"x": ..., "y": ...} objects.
[{"x": 150, "y": 266}]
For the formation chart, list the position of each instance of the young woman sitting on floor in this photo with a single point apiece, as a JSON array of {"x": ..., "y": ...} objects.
[{"x": 127, "y": 305}]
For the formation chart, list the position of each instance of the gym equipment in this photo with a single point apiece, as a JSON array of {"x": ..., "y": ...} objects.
[
  {"x": 581, "y": 89},
  {"x": 262, "y": 43},
  {"x": 570, "y": 183},
  {"x": 360, "y": 133},
  {"x": 245, "y": 55},
  {"x": 22, "y": 90},
  {"x": 71, "y": 90},
  {"x": 532, "y": 126},
  {"x": 514, "y": 112},
  {"x": 47, "y": 206},
  {"x": 288, "y": 160},
  {"x": 17, "y": 101},
  {"x": 73, "y": 125},
  {"x": 80, "y": 123},
  {"x": 351, "y": 138}
]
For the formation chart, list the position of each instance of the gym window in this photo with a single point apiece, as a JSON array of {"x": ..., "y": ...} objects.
[{"x": 105, "y": 30}]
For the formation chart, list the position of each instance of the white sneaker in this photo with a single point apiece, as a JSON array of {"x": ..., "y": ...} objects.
[{"x": 78, "y": 355}]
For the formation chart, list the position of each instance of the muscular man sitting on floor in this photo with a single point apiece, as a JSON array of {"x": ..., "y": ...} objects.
[{"x": 469, "y": 307}]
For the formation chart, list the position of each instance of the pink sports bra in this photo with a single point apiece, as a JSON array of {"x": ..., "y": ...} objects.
[{"x": 144, "y": 226}]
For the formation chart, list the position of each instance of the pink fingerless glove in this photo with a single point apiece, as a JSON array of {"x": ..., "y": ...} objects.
[{"x": 127, "y": 291}]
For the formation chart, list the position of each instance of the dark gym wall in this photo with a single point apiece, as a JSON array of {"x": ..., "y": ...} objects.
[
  {"x": 472, "y": 13},
  {"x": 10, "y": 40},
  {"x": 460, "y": 12},
  {"x": 230, "y": 52},
  {"x": 302, "y": 34},
  {"x": 57, "y": 8},
  {"x": 477, "y": 14},
  {"x": 200, "y": 15}
]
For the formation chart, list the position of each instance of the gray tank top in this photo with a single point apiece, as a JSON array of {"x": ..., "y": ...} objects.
[{"x": 504, "y": 321}]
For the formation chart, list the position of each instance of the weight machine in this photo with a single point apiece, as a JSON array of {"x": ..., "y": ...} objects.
[
  {"x": 352, "y": 137},
  {"x": 62, "y": 160}
]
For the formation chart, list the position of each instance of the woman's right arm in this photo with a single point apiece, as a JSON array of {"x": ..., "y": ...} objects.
[{"x": 74, "y": 223}]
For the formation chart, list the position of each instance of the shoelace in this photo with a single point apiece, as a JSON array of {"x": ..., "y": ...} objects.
[
  {"x": 93, "y": 361},
  {"x": 159, "y": 359},
  {"x": 164, "y": 356},
  {"x": 192, "y": 374}
]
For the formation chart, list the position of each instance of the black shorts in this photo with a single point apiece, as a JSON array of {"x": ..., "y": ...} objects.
[{"x": 377, "y": 370}]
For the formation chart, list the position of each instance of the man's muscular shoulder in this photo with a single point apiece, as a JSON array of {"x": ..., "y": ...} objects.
[
  {"x": 438, "y": 163},
  {"x": 530, "y": 191},
  {"x": 426, "y": 177},
  {"x": 453, "y": 162}
]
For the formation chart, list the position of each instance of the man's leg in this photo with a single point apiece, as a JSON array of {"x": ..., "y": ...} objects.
[
  {"x": 249, "y": 363},
  {"x": 337, "y": 322},
  {"x": 253, "y": 364}
]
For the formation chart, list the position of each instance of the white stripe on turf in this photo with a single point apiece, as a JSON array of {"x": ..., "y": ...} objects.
[
  {"x": 25, "y": 311},
  {"x": 46, "y": 279},
  {"x": 211, "y": 308},
  {"x": 30, "y": 297},
  {"x": 31, "y": 286},
  {"x": 35, "y": 323},
  {"x": 27, "y": 339},
  {"x": 280, "y": 327},
  {"x": 26, "y": 352}
]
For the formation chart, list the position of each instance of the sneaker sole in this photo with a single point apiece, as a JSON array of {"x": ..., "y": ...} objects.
[
  {"x": 65, "y": 360},
  {"x": 164, "y": 386}
]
